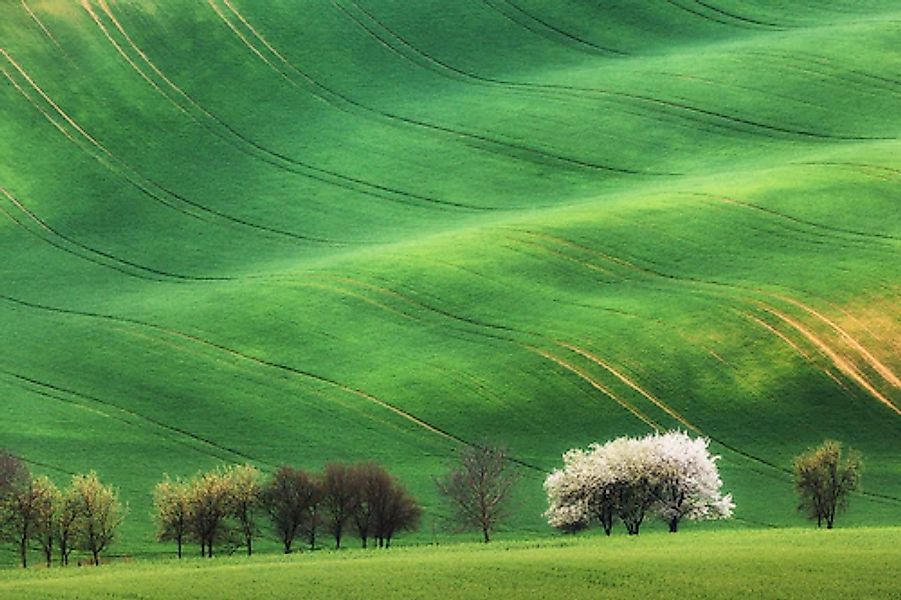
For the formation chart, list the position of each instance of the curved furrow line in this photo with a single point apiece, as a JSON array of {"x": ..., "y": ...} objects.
[
  {"x": 706, "y": 17},
  {"x": 791, "y": 62},
  {"x": 561, "y": 94},
  {"x": 40, "y": 24},
  {"x": 123, "y": 169},
  {"x": 729, "y": 122},
  {"x": 546, "y": 30},
  {"x": 68, "y": 250},
  {"x": 121, "y": 261},
  {"x": 843, "y": 364},
  {"x": 274, "y": 158},
  {"x": 806, "y": 58},
  {"x": 878, "y": 366},
  {"x": 871, "y": 237},
  {"x": 629, "y": 382},
  {"x": 598, "y": 386},
  {"x": 105, "y": 158},
  {"x": 726, "y": 122},
  {"x": 807, "y": 358},
  {"x": 181, "y": 436},
  {"x": 731, "y": 15},
  {"x": 423, "y": 306},
  {"x": 509, "y": 149},
  {"x": 716, "y": 86},
  {"x": 244, "y": 357}
]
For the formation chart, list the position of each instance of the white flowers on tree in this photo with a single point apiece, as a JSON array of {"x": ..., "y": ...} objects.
[{"x": 669, "y": 474}]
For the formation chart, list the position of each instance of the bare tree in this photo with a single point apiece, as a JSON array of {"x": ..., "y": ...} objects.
[
  {"x": 824, "y": 479},
  {"x": 312, "y": 521},
  {"x": 99, "y": 514},
  {"x": 398, "y": 511},
  {"x": 287, "y": 497},
  {"x": 172, "y": 511},
  {"x": 340, "y": 495},
  {"x": 14, "y": 473},
  {"x": 479, "y": 488},
  {"x": 372, "y": 482}
]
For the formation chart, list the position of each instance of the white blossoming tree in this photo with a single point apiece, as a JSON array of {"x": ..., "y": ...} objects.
[{"x": 670, "y": 474}]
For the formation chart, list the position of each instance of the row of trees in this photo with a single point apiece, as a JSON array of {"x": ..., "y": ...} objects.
[
  {"x": 230, "y": 505},
  {"x": 34, "y": 511},
  {"x": 670, "y": 475}
]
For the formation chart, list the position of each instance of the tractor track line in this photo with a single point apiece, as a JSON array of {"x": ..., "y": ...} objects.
[
  {"x": 729, "y": 122},
  {"x": 596, "y": 385},
  {"x": 495, "y": 145},
  {"x": 162, "y": 427},
  {"x": 68, "y": 250},
  {"x": 731, "y": 15},
  {"x": 48, "y": 228},
  {"x": 544, "y": 27},
  {"x": 782, "y": 215},
  {"x": 134, "y": 177},
  {"x": 46, "y": 31},
  {"x": 843, "y": 364},
  {"x": 255, "y": 360},
  {"x": 654, "y": 400},
  {"x": 318, "y": 174}
]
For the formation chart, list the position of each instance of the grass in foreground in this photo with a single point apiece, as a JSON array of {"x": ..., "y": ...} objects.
[{"x": 852, "y": 563}]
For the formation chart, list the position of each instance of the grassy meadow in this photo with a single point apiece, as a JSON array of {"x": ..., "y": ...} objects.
[
  {"x": 789, "y": 563},
  {"x": 301, "y": 231}
]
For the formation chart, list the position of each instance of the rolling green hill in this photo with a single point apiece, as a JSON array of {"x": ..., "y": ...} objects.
[{"x": 300, "y": 230}]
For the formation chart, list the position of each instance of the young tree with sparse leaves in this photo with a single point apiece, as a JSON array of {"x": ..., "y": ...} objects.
[
  {"x": 171, "y": 503},
  {"x": 98, "y": 514},
  {"x": 245, "y": 485},
  {"x": 479, "y": 488},
  {"x": 824, "y": 479},
  {"x": 209, "y": 507}
]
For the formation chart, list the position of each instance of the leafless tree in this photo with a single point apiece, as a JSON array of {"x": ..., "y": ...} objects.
[
  {"x": 287, "y": 497},
  {"x": 478, "y": 488},
  {"x": 340, "y": 496}
]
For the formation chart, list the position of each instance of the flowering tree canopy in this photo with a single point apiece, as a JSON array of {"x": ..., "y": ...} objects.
[{"x": 669, "y": 474}]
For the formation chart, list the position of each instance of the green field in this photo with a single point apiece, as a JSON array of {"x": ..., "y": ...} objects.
[
  {"x": 299, "y": 231},
  {"x": 785, "y": 564}
]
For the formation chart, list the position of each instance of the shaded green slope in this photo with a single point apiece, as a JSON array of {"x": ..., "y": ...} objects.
[{"x": 358, "y": 229}]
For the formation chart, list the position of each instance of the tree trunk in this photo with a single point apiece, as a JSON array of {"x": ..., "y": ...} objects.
[
  {"x": 178, "y": 541},
  {"x": 96, "y": 556},
  {"x": 249, "y": 546},
  {"x": 23, "y": 551},
  {"x": 485, "y": 534},
  {"x": 338, "y": 539},
  {"x": 674, "y": 525},
  {"x": 364, "y": 540}
]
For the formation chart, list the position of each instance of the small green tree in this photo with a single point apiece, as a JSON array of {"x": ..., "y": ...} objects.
[
  {"x": 824, "y": 479},
  {"x": 98, "y": 514},
  {"x": 46, "y": 511},
  {"x": 64, "y": 524},
  {"x": 245, "y": 487},
  {"x": 209, "y": 506},
  {"x": 172, "y": 511}
]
